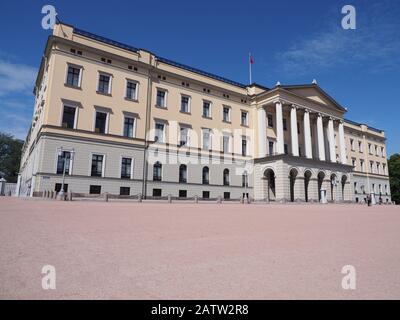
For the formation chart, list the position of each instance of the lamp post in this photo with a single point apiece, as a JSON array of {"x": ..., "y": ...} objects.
[
  {"x": 335, "y": 182},
  {"x": 61, "y": 153}
]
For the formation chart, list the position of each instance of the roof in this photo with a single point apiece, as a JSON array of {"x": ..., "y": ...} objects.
[{"x": 360, "y": 124}]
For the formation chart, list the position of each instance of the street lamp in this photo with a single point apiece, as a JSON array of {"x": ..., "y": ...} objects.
[
  {"x": 335, "y": 182},
  {"x": 62, "y": 154}
]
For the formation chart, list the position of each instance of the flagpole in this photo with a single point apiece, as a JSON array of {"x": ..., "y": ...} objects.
[{"x": 250, "y": 66}]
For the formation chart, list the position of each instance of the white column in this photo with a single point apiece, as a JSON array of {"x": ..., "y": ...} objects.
[
  {"x": 342, "y": 143},
  {"x": 320, "y": 138},
  {"x": 293, "y": 131},
  {"x": 279, "y": 128},
  {"x": 331, "y": 140},
  {"x": 262, "y": 133},
  {"x": 307, "y": 134}
]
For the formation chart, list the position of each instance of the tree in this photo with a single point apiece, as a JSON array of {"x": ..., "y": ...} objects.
[
  {"x": 10, "y": 156},
  {"x": 394, "y": 173}
]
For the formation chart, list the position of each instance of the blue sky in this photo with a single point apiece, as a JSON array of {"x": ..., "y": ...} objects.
[{"x": 291, "y": 41}]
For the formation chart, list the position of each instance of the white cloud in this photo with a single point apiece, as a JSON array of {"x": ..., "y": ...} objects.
[{"x": 16, "y": 78}]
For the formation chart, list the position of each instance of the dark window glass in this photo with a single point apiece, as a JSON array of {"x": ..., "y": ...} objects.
[
  {"x": 62, "y": 160},
  {"x": 285, "y": 147},
  {"x": 182, "y": 173},
  {"x": 157, "y": 171},
  {"x": 244, "y": 147},
  {"x": 73, "y": 76},
  {"x": 95, "y": 189},
  {"x": 206, "y": 194},
  {"x": 206, "y": 175},
  {"x": 128, "y": 127},
  {"x": 131, "y": 90},
  {"x": 244, "y": 118},
  {"x": 124, "y": 191},
  {"x": 270, "y": 121},
  {"x": 104, "y": 84},
  {"x": 245, "y": 182},
  {"x": 57, "y": 187},
  {"x": 226, "y": 177},
  {"x": 226, "y": 114},
  {"x": 160, "y": 98},
  {"x": 182, "y": 193},
  {"x": 97, "y": 165},
  {"x": 284, "y": 124},
  {"x": 156, "y": 192},
  {"x": 206, "y": 109},
  {"x": 126, "y": 168},
  {"x": 271, "y": 147},
  {"x": 227, "y": 195},
  {"x": 184, "y": 104},
  {"x": 68, "y": 119},
  {"x": 101, "y": 120}
]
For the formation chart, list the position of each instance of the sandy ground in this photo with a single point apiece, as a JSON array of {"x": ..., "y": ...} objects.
[{"x": 206, "y": 251}]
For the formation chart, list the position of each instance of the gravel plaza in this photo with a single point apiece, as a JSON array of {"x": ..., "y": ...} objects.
[{"x": 130, "y": 250}]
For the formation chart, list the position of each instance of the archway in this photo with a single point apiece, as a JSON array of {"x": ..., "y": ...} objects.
[
  {"x": 307, "y": 178},
  {"x": 344, "y": 180},
  {"x": 292, "y": 178},
  {"x": 269, "y": 175},
  {"x": 321, "y": 177}
]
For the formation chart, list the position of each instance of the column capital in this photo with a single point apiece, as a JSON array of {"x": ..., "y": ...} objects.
[
  {"x": 307, "y": 110},
  {"x": 294, "y": 106},
  {"x": 282, "y": 102}
]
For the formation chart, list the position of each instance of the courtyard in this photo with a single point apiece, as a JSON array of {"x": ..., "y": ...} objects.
[{"x": 130, "y": 250}]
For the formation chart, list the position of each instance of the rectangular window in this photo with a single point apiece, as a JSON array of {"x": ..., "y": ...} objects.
[
  {"x": 157, "y": 172},
  {"x": 184, "y": 137},
  {"x": 57, "y": 187},
  {"x": 159, "y": 132},
  {"x": 360, "y": 149},
  {"x": 124, "y": 191},
  {"x": 226, "y": 117},
  {"x": 225, "y": 144},
  {"x": 244, "y": 118},
  {"x": 101, "y": 122},
  {"x": 156, "y": 192},
  {"x": 161, "y": 101},
  {"x": 104, "y": 84},
  {"x": 182, "y": 193},
  {"x": 206, "y": 109},
  {"x": 206, "y": 194},
  {"x": 185, "y": 101},
  {"x": 206, "y": 139},
  {"x": 244, "y": 147},
  {"x": 73, "y": 77},
  {"x": 97, "y": 165},
  {"x": 94, "y": 189},
  {"x": 383, "y": 152},
  {"x": 352, "y": 144},
  {"x": 63, "y": 159},
  {"x": 68, "y": 120},
  {"x": 131, "y": 90},
  {"x": 270, "y": 121},
  {"x": 376, "y": 150},
  {"x": 271, "y": 147},
  {"x": 285, "y": 147},
  {"x": 362, "y": 165},
  {"x": 227, "y": 195},
  {"x": 126, "y": 168},
  {"x": 129, "y": 127},
  {"x": 384, "y": 168},
  {"x": 284, "y": 124}
]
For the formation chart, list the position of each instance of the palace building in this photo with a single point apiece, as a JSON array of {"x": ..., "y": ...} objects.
[{"x": 113, "y": 118}]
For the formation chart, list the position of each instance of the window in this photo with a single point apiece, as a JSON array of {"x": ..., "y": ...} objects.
[
  {"x": 74, "y": 76},
  {"x": 371, "y": 166},
  {"x": 244, "y": 147},
  {"x": 284, "y": 124},
  {"x": 57, "y": 187},
  {"x": 97, "y": 165},
  {"x": 355, "y": 188},
  {"x": 362, "y": 165},
  {"x": 285, "y": 148},
  {"x": 360, "y": 147},
  {"x": 126, "y": 168},
  {"x": 206, "y": 175},
  {"x": 185, "y": 104},
  {"x": 129, "y": 127},
  {"x": 206, "y": 109},
  {"x": 245, "y": 182},
  {"x": 94, "y": 189},
  {"x": 270, "y": 121},
  {"x": 182, "y": 173},
  {"x": 226, "y": 114},
  {"x": 156, "y": 192},
  {"x": 244, "y": 118},
  {"x": 206, "y": 139},
  {"x": 378, "y": 168},
  {"x": 161, "y": 101},
  {"x": 104, "y": 84},
  {"x": 206, "y": 194},
  {"x": 101, "y": 122},
  {"x": 271, "y": 147},
  {"x": 225, "y": 144},
  {"x": 369, "y": 148},
  {"x": 182, "y": 193},
  {"x": 383, "y": 152},
  {"x": 184, "y": 137},
  {"x": 63, "y": 159},
  {"x": 227, "y": 195},
  {"x": 157, "y": 171},
  {"x": 298, "y": 128},
  {"x": 353, "y": 162},
  {"x": 352, "y": 144},
  {"x": 159, "y": 132},
  {"x": 383, "y": 168},
  {"x": 376, "y": 150},
  {"x": 68, "y": 119},
  {"x": 131, "y": 90},
  {"x": 226, "y": 177},
  {"x": 124, "y": 191}
]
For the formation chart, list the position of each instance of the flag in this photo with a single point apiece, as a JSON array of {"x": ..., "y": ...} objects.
[{"x": 251, "y": 59}]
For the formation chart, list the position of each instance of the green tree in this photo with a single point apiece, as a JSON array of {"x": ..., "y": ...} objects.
[
  {"x": 10, "y": 156},
  {"x": 394, "y": 173}
]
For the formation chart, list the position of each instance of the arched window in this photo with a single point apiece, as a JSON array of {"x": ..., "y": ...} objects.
[
  {"x": 245, "y": 181},
  {"x": 157, "y": 171},
  {"x": 206, "y": 175},
  {"x": 183, "y": 173},
  {"x": 226, "y": 177}
]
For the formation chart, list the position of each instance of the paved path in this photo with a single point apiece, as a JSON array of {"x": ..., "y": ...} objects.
[{"x": 205, "y": 251}]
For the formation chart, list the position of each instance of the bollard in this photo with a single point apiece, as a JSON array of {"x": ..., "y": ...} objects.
[
  {"x": 69, "y": 196},
  {"x": 51, "y": 194},
  {"x": 196, "y": 199},
  {"x": 219, "y": 199},
  {"x": 43, "y": 194},
  {"x": 139, "y": 197},
  {"x": 169, "y": 199},
  {"x": 241, "y": 199},
  {"x": 106, "y": 196},
  {"x": 248, "y": 200},
  {"x": 55, "y": 195}
]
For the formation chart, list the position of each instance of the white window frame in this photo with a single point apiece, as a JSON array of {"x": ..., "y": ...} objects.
[
  {"x": 209, "y": 139},
  {"x": 135, "y": 98},
  {"x": 76, "y": 113},
  {"x": 165, "y": 97},
  {"x": 163, "y": 131},
  {"x": 110, "y": 84},
  {"x": 229, "y": 113},
  {"x": 134, "y": 125},
  {"x": 132, "y": 166},
  {"x": 247, "y": 118},
  {"x": 189, "y": 103},
  {"x": 107, "y": 120},
  {"x": 229, "y": 143},
  {"x": 210, "y": 109},
  {"x": 247, "y": 146},
  {"x": 103, "y": 165},
  {"x": 80, "y": 74},
  {"x": 71, "y": 151},
  {"x": 187, "y": 130}
]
